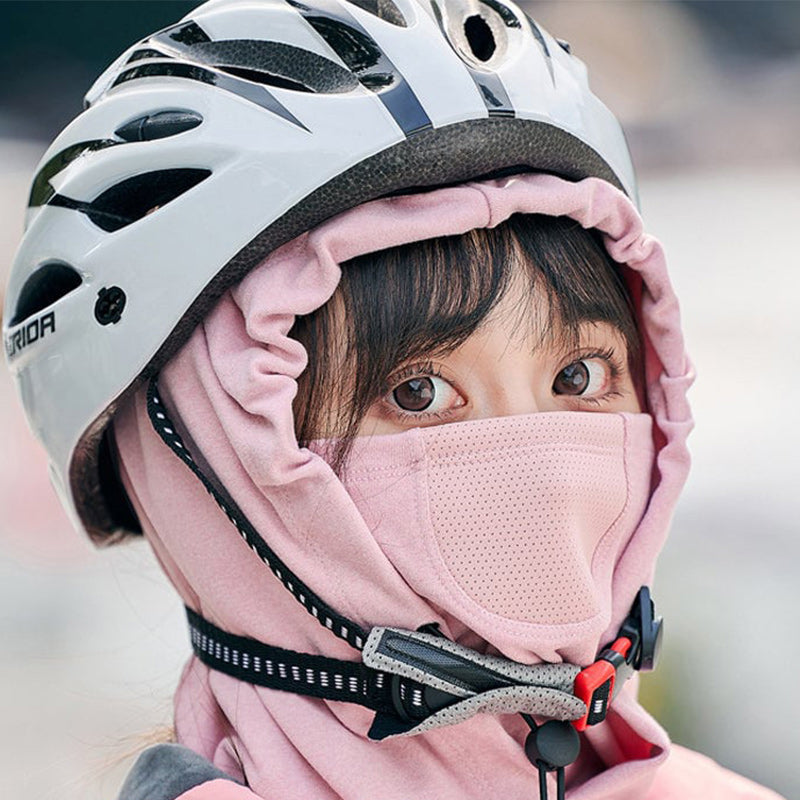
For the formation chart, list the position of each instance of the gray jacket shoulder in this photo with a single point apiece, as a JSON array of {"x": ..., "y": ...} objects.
[{"x": 166, "y": 771}]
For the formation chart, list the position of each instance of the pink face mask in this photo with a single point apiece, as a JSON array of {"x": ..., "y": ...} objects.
[{"x": 513, "y": 525}]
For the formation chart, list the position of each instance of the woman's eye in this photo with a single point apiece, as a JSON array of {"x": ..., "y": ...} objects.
[
  {"x": 425, "y": 393},
  {"x": 586, "y": 377},
  {"x": 415, "y": 395}
]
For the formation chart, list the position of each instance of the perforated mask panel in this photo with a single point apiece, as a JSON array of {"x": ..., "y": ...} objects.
[{"x": 521, "y": 541}]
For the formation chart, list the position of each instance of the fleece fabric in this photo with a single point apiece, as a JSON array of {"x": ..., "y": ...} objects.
[{"x": 230, "y": 389}]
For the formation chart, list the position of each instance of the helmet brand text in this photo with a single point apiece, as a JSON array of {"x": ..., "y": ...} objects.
[{"x": 29, "y": 333}]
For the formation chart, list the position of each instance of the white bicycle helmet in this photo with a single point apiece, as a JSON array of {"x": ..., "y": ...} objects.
[{"x": 209, "y": 144}]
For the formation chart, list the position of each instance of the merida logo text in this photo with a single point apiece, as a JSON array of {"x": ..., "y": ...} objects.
[{"x": 31, "y": 332}]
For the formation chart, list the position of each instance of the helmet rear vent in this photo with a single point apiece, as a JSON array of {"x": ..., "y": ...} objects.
[
  {"x": 383, "y": 9},
  {"x": 479, "y": 37},
  {"x": 277, "y": 64},
  {"x": 44, "y": 286},
  {"x": 266, "y": 78}
]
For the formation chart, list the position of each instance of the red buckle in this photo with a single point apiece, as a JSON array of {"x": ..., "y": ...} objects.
[{"x": 595, "y": 684}]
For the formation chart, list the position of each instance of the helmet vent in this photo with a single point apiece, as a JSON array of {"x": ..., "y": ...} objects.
[
  {"x": 283, "y": 66},
  {"x": 158, "y": 126},
  {"x": 479, "y": 37},
  {"x": 266, "y": 79},
  {"x": 42, "y": 190},
  {"x": 45, "y": 285},
  {"x": 134, "y": 197},
  {"x": 140, "y": 195},
  {"x": 147, "y": 52},
  {"x": 356, "y": 48},
  {"x": 509, "y": 18},
  {"x": 251, "y": 92},
  {"x": 383, "y": 9}
]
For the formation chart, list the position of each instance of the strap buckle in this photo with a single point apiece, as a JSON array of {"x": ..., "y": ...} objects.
[
  {"x": 636, "y": 647},
  {"x": 596, "y": 684}
]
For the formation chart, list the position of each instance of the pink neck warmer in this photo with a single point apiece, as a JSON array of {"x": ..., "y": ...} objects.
[{"x": 231, "y": 389}]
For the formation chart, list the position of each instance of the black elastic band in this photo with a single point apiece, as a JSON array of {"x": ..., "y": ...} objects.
[{"x": 339, "y": 625}]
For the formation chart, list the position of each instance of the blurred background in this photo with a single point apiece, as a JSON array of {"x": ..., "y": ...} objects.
[{"x": 709, "y": 94}]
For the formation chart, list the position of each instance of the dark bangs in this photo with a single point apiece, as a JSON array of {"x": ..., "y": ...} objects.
[{"x": 426, "y": 298}]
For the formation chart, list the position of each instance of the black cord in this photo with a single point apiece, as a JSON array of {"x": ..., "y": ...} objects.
[
  {"x": 530, "y": 720},
  {"x": 539, "y": 764},
  {"x": 542, "y": 780}
]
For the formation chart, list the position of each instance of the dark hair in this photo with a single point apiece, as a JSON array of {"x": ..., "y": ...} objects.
[{"x": 428, "y": 297}]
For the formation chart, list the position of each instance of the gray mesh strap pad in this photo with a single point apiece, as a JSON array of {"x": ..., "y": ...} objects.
[
  {"x": 484, "y": 683},
  {"x": 535, "y": 700}
]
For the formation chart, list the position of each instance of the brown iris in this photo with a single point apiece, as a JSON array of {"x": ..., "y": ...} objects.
[
  {"x": 572, "y": 379},
  {"x": 415, "y": 395}
]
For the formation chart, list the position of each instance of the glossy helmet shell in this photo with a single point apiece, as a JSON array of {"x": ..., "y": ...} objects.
[{"x": 209, "y": 144}]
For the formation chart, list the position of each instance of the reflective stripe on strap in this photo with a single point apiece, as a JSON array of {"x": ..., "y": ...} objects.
[{"x": 287, "y": 670}]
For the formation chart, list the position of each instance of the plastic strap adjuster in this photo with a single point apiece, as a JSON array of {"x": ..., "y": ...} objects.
[
  {"x": 595, "y": 685},
  {"x": 636, "y": 647}
]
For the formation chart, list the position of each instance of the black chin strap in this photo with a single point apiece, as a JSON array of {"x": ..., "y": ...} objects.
[
  {"x": 261, "y": 664},
  {"x": 419, "y": 680}
]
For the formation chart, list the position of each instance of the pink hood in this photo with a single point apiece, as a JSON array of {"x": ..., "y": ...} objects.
[{"x": 231, "y": 389}]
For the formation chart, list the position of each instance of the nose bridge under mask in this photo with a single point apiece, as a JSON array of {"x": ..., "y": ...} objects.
[{"x": 512, "y": 523}]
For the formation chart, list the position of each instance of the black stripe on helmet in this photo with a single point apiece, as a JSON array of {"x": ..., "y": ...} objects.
[
  {"x": 494, "y": 94},
  {"x": 243, "y": 88},
  {"x": 364, "y": 57},
  {"x": 537, "y": 34}
]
